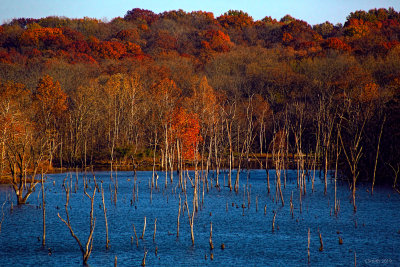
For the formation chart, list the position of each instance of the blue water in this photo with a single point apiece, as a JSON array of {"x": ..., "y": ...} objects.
[{"x": 371, "y": 234}]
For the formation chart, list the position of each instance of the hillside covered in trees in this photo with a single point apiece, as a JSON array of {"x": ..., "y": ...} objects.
[{"x": 184, "y": 87}]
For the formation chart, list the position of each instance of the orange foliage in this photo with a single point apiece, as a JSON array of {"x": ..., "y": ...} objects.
[
  {"x": 369, "y": 93},
  {"x": 13, "y": 96},
  {"x": 165, "y": 95},
  {"x": 82, "y": 58},
  {"x": 235, "y": 19},
  {"x": 79, "y": 46},
  {"x": 133, "y": 48},
  {"x": 204, "y": 102},
  {"x": 357, "y": 28},
  {"x": 166, "y": 88},
  {"x": 143, "y": 27},
  {"x": 5, "y": 56},
  {"x": 336, "y": 44},
  {"x": 44, "y": 37},
  {"x": 217, "y": 41},
  {"x": 51, "y": 100},
  {"x": 10, "y": 92},
  {"x": 287, "y": 38},
  {"x": 186, "y": 128},
  {"x": 391, "y": 45},
  {"x": 107, "y": 49}
]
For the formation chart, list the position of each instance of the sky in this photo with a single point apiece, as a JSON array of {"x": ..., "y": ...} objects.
[{"x": 311, "y": 11}]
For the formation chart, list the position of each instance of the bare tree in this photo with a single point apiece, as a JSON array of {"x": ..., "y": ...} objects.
[
  {"x": 87, "y": 249},
  {"x": 351, "y": 146},
  {"x": 25, "y": 154}
]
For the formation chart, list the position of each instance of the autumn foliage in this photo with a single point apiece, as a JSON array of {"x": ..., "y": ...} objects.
[
  {"x": 77, "y": 90},
  {"x": 52, "y": 99},
  {"x": 186, "y": 128}
]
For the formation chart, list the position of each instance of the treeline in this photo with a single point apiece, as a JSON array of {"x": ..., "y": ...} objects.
[{"x": 179, "y": 87}]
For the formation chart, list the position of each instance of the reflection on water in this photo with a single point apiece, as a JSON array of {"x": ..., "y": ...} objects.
[{"x": 372, "y": 233}]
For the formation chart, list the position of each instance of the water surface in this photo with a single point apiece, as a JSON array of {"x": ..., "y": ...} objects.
[{"x": 371, "y": 234}]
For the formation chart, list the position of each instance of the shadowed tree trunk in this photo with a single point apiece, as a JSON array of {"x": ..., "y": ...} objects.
[{"x": 87, "y": 249}]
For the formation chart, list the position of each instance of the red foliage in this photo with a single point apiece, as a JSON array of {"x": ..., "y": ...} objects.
[
  {"x": 82, "y": 58},
  {"x": 44, "y": 38},
  {"x": 5, "y": 56},
  {"x": 300, "y": 35},
  {"x": 391, "y": 45},
  {"x": 79, "y": 46},
  {"x": 107, "y": 49},
  {"x": 336, "y": 44},
  {"x": 287, "y": 38},
  {"x": 52, "y": 101},
  {"x": 186, "y": 128},
  {"x": 133, "y": 48},
  {"x": 217, "y": 41},
  {"x": 144, "y": 27},
  {"x": 357, "y": 28}
]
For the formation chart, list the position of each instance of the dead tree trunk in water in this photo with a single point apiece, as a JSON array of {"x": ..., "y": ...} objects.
[
  {"x": 2, "y": 213},
  {"x": 179, "y": 215},
  {"x": 191, "y": 221},
  {"x": 44, "y": 212},
  {"x": 308, "y": 247},
  {"x": 327, "y": 123},
  {"x": 105, "y": 215},
  {"x": 211, "y": 243},
  {"x": 144, "y": 228},
  {"x": 236, "y": 187},
  {"x": 266, "y": 169},
  {"x": 298, "y": 130},
  {"x": 353, "y": 152},
  {"x": 377, "y": 154},
  {"x": 277, "y": 155},
  {"x": 89, "y": 244},
  {"x": 231, "y": 157},
  {"x": 137, "y": 240},
  {"x": 229, "y": 121}
]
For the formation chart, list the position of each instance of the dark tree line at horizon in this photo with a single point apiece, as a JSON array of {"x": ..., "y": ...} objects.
[{"x": 183, "y": 87}]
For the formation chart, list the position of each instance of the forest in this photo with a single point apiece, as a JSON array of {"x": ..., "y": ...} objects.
[{"x": 179, "y": 90}]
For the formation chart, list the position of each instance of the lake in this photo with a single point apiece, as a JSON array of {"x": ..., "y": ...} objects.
[{"x": 371, "y": 235}]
